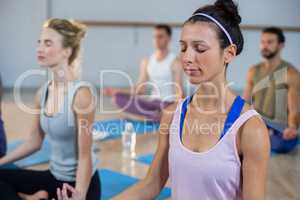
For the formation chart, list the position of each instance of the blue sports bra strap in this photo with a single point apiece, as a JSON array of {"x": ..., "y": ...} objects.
[
  {"x": 184, "y": 107},
  {"x": 233, "y": 114}
]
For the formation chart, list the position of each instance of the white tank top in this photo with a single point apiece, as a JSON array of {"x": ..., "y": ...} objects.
[{"x": 160, "y": 76}]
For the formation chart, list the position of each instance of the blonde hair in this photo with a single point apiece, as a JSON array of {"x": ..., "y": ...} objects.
[{"x": 72, "y": 33}]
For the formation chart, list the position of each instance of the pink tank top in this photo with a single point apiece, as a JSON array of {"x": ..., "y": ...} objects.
[{"x": 211, "y": 175}]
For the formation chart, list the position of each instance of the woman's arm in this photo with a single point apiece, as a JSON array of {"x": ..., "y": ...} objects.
[
  {"x": 140, "y": 87},
  {"x": 33, "y": 141},
  {"x": 255, "y": 148},
  {"x": 152, "y": 184},
  {"x": 84, "y": 107}
]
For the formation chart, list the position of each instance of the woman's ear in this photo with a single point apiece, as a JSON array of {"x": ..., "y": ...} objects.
[
  {"x": 67, "y": 52},
  {"x": 230, "y": 53}
]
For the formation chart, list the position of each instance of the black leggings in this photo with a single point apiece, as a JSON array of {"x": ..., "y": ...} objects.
[{"x": 13, "y": 181}]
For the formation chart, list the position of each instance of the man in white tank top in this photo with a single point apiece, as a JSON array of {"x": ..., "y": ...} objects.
[{"x": 160, "y": 73}]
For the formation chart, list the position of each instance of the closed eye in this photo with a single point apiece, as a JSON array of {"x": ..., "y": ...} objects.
[
  {"x": 200, "y": 48},
  {"x": 48, "y": 43},
  {"x": 183, "y": 46}
]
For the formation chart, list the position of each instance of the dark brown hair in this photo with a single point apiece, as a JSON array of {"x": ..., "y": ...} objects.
[
  {"x": 164, "y": 27},
  {"x": 277, "y": 31},
  {"x": 226, "y": 13}
]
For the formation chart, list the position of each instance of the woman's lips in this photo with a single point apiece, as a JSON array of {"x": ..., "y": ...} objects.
[
  {"x": 191, "y": 71},
  {"x": 41, "y": 57}
]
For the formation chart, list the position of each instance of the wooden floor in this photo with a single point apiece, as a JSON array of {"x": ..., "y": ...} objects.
[{"x": 284, "y": 170}]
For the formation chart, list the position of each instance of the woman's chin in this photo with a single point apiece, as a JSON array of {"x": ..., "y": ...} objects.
[
  {"x": 44, "y": 65},
  {"x": 196, "y": 81}
]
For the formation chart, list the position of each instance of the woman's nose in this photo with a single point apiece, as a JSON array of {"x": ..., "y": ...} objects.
[
  {"x": 39, "y": 48},
  {"x": 188, "y": 56}
]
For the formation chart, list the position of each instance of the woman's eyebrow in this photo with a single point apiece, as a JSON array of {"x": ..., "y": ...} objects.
[
  {"x": 195, "y": 41},
  {"x": 48, "y": 40},
  {"x": 199, "y": 41}
]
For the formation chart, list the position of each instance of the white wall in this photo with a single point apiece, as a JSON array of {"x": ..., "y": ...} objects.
[
  {"x": 20, "y": 25},
  {"x": 127, "y": 10},
  {"x": 122, "y": 48},
  {"x": 253, "y": 12}
]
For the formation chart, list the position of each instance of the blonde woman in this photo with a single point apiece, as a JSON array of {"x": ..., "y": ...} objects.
[{"x": 66, "y": 110}]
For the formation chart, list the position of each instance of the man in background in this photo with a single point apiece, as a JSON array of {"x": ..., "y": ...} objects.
[{"x": 273, "y": 87}]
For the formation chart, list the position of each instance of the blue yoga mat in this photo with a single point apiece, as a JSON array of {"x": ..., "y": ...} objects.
[
  {"x": 115, "y": 127},
  {"x": 40, "y": 157},
  {"x": 114, "y": 183}
]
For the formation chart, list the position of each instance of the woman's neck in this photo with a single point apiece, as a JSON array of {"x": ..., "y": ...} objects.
[
  {"x": 62, "y": 73},
  {"x": 213, "y": 97}
]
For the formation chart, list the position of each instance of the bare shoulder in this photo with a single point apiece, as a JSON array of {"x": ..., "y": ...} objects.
[
  {"x": 255, "y": 125},
  {"x": 293, "y": 69},
  {"x": 83, "y": 97},
  {"x": 252, "y": 69},
  {"x": 254, "y": 135},
  {"x": 293, "y": 73},
  {"x": 255, "y": 120},
  {"x": 253, "y": 130}
]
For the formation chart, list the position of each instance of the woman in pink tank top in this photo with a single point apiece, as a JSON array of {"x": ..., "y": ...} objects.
[{"x": 212, "y": 145}]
